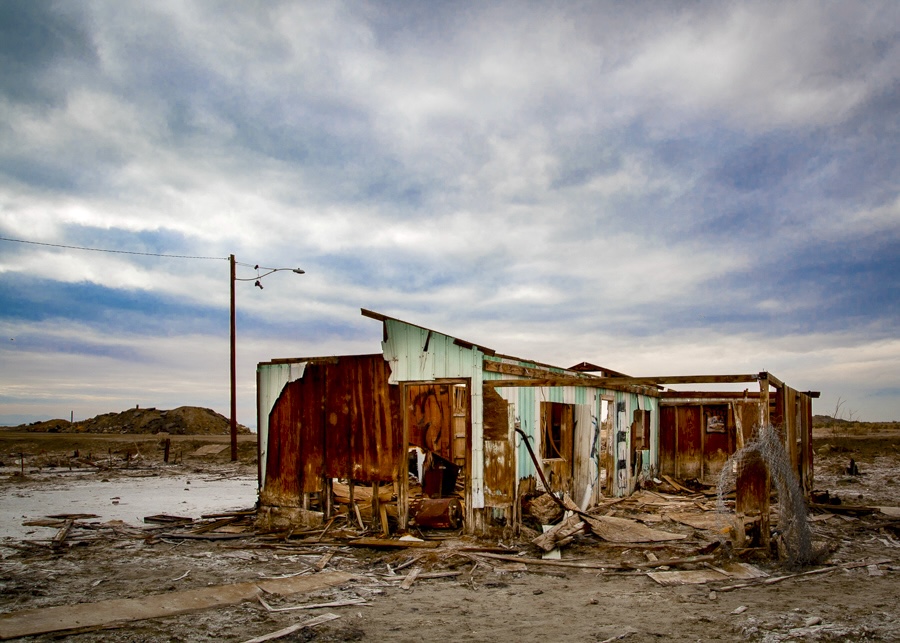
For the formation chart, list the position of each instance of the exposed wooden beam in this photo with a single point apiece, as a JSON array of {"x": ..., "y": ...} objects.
[
  {"x": 689, "y": 379},
  {"x": 611, "y": 383},
  {"x": 525, "y": 371},
  {"x": 774, "y": 381},
  {"x": 731, "y": 395}
]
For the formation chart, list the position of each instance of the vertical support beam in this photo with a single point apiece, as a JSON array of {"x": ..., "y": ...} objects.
[
  {"x": 753, "y": 488},
  {"x": 233, "y": 369},
  {"x": 375, "y": 504},
  {"x": 403, "y": 464},
  {"x": 763, "y": 400},
  {"x": 703, "y": 420},
  {"x": 328, "y": 491}
]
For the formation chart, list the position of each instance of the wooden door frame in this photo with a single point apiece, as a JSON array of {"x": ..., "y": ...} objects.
[{"x": 403, "y": 465}]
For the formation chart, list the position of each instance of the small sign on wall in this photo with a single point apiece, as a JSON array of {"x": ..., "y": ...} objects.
[{"x": 715, "y": 423}]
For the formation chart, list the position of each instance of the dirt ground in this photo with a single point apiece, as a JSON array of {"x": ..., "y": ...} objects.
[{"x": 461, "y": 594}]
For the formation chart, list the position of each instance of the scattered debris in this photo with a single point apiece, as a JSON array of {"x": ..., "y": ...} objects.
[
  {"x": 318, "y": 620},
  {"x": 105, "y": 613}
]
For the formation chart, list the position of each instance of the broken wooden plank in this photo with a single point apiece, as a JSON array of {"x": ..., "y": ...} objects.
[
  {"x": 687, "y": 577},
  {"x": 672, "y": 482},
  {"x": 708, "y": 521},
  {"x": 556, "y": 563},
  {"x": 424, "y": 576},
  {"x": 359, "y": 518},
  {"x": 411, "y": 578},
  {"x": 622, "y": 530},
  {"x": 212, "y": 526},
  {"x": 60, "y": 536},
  {"x": 556, "y": 536},
  {"x": 388, "y": 543},
  {"x": 208, "y": 536},
  {"x": 318, "y": 620},
  {"x": 231, "y": 514},
  {"x": 361, "y": 494},
  {"x": 312, "y": 606},
  {"x": 671, "y": 562},
  {"x": 104, "y": 613},
  {"x": 850, "y": 510},
  {"x": 822, "y": 570},
  {"x": 166, "y": 519},
  {"x": 734, "y": 570},
  {"x": 320, "y": 565}
]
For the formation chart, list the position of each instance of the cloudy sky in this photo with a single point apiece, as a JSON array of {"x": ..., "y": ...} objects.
[{"x": 658, "y": 187}]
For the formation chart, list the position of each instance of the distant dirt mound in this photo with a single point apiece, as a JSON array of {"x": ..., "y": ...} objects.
[{"x": 185, "y": 420}]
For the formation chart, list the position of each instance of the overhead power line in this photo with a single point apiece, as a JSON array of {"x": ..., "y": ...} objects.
[{"x": 121, "y": 252}]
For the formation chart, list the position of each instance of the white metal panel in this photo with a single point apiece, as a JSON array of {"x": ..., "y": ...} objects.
[
  {"x": 416, "y": 355},
  {"x": 271, "y": 380}
]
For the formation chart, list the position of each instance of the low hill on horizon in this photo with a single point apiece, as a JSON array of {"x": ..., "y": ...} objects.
[{"x": 185, "y": 420}]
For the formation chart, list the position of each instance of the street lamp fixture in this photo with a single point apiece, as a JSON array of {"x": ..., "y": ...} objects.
[{"x": 234, "y": 279}]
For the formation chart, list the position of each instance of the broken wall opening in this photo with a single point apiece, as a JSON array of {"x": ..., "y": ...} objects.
[{"x": 434, "y": 484}]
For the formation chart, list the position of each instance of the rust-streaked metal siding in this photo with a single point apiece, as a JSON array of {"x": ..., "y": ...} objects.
[
  {"x": 527, "y": 403},
  {"x": 270, "y": 380},
  {"x": 416, "y": 354},
  {"x": 340, "y": 420}
]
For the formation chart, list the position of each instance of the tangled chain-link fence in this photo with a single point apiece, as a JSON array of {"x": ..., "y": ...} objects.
[{"x": 792, "y": 519}]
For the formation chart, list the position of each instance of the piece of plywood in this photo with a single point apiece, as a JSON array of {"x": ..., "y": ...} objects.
[
  {"x": 388, "y": 543},
  {"x": 687, "y": 577},
  {"x": 622, "y": 530},
  {"x": 210, "y": 449},
  {"x": 122, "y": 610},
  {"x": 708, "y": 521}
]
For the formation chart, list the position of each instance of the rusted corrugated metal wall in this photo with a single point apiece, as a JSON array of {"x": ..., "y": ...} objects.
[
  {"x": 694, "y": 444},
  {"x": 340, "y": 420},
  {"x": 697, "y": 436},
  {"x": 431, "y": 418}
]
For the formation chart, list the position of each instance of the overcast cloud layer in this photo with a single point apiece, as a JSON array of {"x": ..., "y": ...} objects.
[{"x": 660, "y": 188}]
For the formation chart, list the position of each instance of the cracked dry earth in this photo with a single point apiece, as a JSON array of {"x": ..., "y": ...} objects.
[{"x": 487, "y": 599}]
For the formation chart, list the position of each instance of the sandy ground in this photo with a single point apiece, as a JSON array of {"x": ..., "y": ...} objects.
[{"x": 487, "y": 598}]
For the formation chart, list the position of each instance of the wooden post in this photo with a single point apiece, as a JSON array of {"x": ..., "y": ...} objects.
[
  {"x": 403, "y": 465},
  {"x": 166, "y": 450},
  {"x": 753, "y": 488},
  {"x": 328, "y": 501},
  {"x": 233, "y": 422},
  {"x": 375, "y": 504},
  {"x": 763, "y": 401}
]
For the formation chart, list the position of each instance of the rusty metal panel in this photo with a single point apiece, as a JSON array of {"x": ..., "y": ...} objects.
[
  {"x": 496, "y": 415},
  {"x": 295, "y": 440},
  {"x": 460, "y": 412},
  {"x": 499, "y": 473},
  {"x": 431, "y": 418},
  {"x": 748, "y": 413},
  {"x": 270, "y": 381},
  {"x": 790, "y": 427},
  {"x": 437, "y": 513},
  {"x": 667, "y": 430},
  {"x": 362, "y": 434},
  {"x": 718, "y": 445},
  {"x": 499, "y": 453},
  {"x": 806, "y": 441},
  {"x": 689, "y": 457},
  {"x": 340, "y": 420}
]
